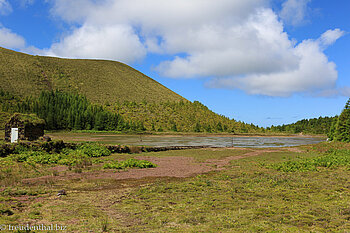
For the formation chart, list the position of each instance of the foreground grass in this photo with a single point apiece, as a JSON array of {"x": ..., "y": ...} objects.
[{"x": 247, "y": 197}]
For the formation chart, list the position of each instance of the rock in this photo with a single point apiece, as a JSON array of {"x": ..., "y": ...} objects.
[
  {"x": 46, "y": 139},
  {"x": 61, "y": 192}
]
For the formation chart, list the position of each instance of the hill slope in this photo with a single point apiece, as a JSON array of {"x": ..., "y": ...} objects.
[
  {"x": 117, "y": 89},
  {"x": 100, "y": 81},
  {"x": 181, "y": 117}
]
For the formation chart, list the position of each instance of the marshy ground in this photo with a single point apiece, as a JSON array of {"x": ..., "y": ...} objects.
[{"x": 204, "y": 190}]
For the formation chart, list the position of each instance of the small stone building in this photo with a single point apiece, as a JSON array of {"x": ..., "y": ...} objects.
[{"x": 27, "y": 126}]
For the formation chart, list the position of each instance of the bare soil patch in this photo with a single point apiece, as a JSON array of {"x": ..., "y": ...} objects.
[
  {"x": 221, "y": 163},
  {"x": 175, "y": 166}
]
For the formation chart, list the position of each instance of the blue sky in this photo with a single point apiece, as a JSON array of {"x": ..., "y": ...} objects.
[{"x": 259, "y": 61}]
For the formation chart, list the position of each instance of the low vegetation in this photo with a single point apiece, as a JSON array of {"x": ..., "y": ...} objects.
[
  {"x": 130, "y": 163},
  {"x": 331, "y": 159},
  {"x": 71, "y": 157}
]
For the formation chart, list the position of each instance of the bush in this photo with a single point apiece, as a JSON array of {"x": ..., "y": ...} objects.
[
  {"x": 48, "y": 153},
  {"x": 94, "y": 150},
  {"x": 130, "y": 163},
  {"x": 69, "y": 158}
]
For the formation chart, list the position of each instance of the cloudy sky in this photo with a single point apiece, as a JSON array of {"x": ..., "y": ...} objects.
[{"x": 259, "y": 61}]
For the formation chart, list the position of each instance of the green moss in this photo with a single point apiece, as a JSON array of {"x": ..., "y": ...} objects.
[{"x": 28, "y": 119}]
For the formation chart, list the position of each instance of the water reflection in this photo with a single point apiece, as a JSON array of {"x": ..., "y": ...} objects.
[{"x": 253, "y": 142}]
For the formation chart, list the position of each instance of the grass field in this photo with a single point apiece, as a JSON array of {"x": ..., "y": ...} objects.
[{"x": 247, "y": 196}]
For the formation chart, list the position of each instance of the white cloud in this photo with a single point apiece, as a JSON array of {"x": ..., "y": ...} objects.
[
  {"x": 5, "y": 7},
  {"x": 11, "y": 40},
  {"x": 294, "y": 11},
  {"x": 341, "y": 91},
  {"x": 239, "y": 44},
  {"x": 152, "y": 19},
  {"x": 25, "y": 3},
  {"x": 115, "y": 42},
  {"x": 258, "y": 45},
  {"x": 329, "y": 37},
  {"x": 72, "y": 11},
  {"x": 314, "y": 74}
]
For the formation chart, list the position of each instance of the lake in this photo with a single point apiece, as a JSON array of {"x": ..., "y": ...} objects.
[
  {"x": 215, "y": 141},
  {"x": 253, "y": 142}
]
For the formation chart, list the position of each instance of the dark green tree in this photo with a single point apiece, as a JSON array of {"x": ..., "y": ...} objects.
[
  {"x": 174, "y": 127},
  {"x": 197, "y": 127},
  {"x": 342, "y": 131},
  {"x": 71, "y": 111}
]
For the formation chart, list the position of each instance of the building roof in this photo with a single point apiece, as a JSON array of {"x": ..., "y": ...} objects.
[{"x": 26, "y": 119}]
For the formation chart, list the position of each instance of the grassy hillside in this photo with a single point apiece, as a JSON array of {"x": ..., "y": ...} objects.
[
  {"x": 7, "y": 107},
  {"x": 182, "y": 117},
  {"x": 100, "y": 81},
  {"x": 143, "y": 103}
]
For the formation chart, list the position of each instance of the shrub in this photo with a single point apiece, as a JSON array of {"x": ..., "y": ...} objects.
[
  {"x": 57, "y": 153},
  {"x": 94, "y": 150},
  {"x": 130, "y": 163},
  {"x": 69, "y": 158}
]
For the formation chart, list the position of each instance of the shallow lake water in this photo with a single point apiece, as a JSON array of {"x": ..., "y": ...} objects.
[
  {"x": 254, "y": 142},
  {"x": 257, "y": 142}
]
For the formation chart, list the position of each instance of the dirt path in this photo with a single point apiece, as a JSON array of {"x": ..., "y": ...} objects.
[{"x": 179, "y": 167}]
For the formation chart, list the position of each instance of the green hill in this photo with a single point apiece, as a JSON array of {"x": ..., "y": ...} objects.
[
  {"x": 99, "y": 95},
  {"x": 100, "y": 81}
]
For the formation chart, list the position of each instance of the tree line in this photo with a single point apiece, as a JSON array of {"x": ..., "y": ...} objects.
[
  {"x": 336, "y": 128},
  {"x": 321, "y": 125},
  {"x": 70, "y": 111},
  {"x": 340, "y": 129}
]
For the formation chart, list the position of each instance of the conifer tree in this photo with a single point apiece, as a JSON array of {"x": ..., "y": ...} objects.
[
  {"x": 197, "y": 127},
  {"x": 331, "y": 132},
  {"x": 71, "y": 111},
  {"x": 342, "y": 131},
  {"x": 174, "y": 127}
]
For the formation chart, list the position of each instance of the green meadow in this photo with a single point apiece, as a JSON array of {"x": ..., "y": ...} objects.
[{"x": 250, "y": 193}]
